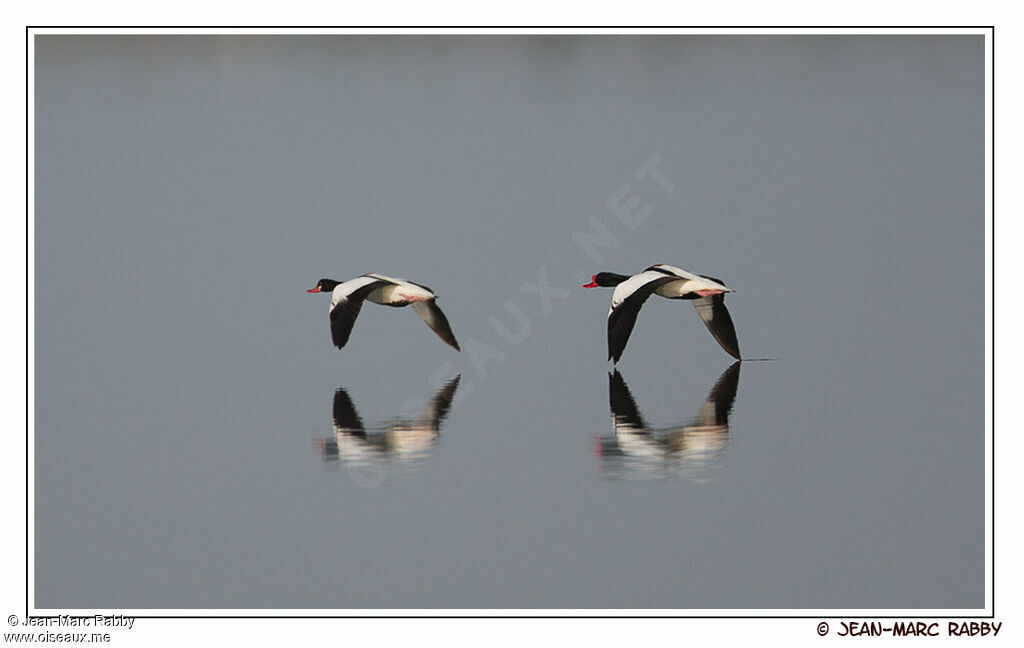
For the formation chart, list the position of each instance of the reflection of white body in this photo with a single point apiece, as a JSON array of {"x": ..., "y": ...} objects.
[
  {"x": 394, "y": 443},
  {"x": 639, "y": 451},
  {"x": 384, "y": 445},
  {"x": 675, "y": 451}
]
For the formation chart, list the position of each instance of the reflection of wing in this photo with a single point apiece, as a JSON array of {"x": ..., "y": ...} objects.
[
  {"x": 346, "y": 419},
  {"x": 351, "y": 441},
  {"x": 434, "y": 412},
  {"x": 623, "y": 406},
  {"x": 716, "y": 408},
  {"x": 632, "y": 436},
  {"x": 716, "y": 317}
]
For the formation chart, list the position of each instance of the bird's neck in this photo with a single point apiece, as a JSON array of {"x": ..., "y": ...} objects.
[{"x": 610, "y": 279}]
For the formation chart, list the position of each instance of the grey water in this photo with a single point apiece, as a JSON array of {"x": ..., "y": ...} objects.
[{"x": 200, "y": 444}]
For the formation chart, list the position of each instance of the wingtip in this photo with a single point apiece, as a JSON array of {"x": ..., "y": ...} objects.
[{"x": 734, "y": 350}]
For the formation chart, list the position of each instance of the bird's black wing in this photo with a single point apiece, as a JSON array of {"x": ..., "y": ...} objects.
[
  {"x": 622, "y": 317},
  {"x": 435, "y": 319},
  {"x": 345, "y": 312},
  {"x": 716, "y": 317}
]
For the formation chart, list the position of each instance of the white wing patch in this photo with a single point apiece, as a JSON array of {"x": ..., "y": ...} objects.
[
  {"x": 346, "y": 288},
  {"x": 631, "y": 285},
  {"x": 679, "y": 272},
  {"x": 691, "y": 282},
  {"x": 394, "y": 280}
]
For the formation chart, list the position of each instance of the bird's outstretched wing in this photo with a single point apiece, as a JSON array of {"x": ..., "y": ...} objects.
[
  {"x": 716, "y": 317},
  {"x": 346, "y": 302},
  {"x": 435, "y": 319},
  {"x": 628, "y": 298}
]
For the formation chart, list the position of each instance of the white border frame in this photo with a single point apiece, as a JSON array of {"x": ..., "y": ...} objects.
[{"x": 830, "y": 613}]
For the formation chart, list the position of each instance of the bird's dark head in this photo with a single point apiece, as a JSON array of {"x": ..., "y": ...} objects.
[
  {"x": 324, "y": 285},
  {"x": 605, "y": 280}
]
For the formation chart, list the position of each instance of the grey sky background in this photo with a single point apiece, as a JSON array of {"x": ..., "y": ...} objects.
[{"x": 190, "y": 189}]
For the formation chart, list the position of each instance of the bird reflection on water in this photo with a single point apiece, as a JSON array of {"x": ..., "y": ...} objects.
[
  {"x": 688, "y": 451},
  {"x": 371, "y": 452}
]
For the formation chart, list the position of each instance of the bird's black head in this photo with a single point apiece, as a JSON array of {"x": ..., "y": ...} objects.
[
  {"x": 605, "y": 280},
  {"x": 324, "y": 285}
]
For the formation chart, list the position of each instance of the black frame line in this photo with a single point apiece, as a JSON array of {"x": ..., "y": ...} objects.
[{"x": 456, "y": 31}]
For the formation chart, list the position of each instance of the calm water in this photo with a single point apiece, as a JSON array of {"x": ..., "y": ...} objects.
[{"x": 199, "y": 443}]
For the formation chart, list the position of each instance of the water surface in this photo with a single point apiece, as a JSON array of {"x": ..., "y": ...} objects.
[{"x": 199, "y": 443}]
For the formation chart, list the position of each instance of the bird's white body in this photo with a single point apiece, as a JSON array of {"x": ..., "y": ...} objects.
[
  {"x": 396, "y": 292},
  {"x": 686, "y": 283}
]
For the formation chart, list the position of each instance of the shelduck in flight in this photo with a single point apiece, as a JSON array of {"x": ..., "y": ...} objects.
[
  {"x": 707, "y": 294},
  {"x": 347, "y": 298}
]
